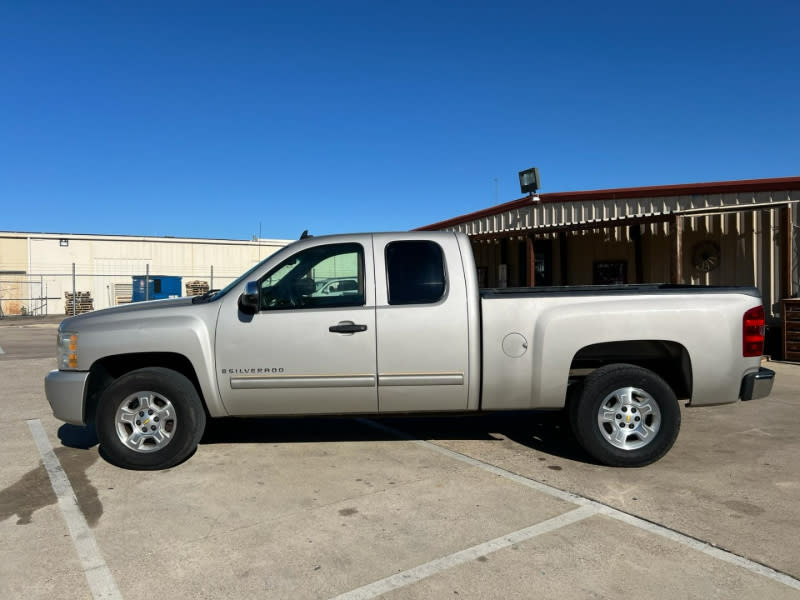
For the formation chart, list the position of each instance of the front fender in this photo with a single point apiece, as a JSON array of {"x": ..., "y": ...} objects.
[{"x": 188, "y": 332}]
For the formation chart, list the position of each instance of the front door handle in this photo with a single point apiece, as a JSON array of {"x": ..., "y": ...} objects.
[{"x": 347, "y": 327}]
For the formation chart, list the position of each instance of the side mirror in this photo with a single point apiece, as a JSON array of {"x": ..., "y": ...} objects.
[{"x": 248, "y": 301}]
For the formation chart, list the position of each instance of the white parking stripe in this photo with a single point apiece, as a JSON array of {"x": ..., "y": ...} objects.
[
  {"x": 604, "y": 509},
  {"x": 1, "y": 350},
  {"x": 101, "y": 582},
  {"x": 383, "y": 586},
  {"x": 704, "y": 547}
]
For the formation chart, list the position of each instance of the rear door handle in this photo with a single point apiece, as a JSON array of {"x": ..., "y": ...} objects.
[{"x": 347, "y": 327}]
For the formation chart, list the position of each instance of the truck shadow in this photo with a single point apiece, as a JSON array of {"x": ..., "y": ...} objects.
[{"x": 546, "y": 432}]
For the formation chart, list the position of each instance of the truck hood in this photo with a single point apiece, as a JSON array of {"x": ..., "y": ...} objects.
[{"x": 133, "y": 310}]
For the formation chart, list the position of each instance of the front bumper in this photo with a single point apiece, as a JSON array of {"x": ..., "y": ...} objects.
[
  {"x": 757, "y": 385},
  {"x": 66, "y": 392}
]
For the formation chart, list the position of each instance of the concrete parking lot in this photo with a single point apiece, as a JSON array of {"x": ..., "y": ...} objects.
[{"x": 497, "y": 506}]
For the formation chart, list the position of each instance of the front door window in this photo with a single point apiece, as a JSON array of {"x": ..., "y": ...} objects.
[{"x": 319, "y": 277}]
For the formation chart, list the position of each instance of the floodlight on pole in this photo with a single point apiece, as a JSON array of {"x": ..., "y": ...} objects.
[{"x": 529, "y": 182}]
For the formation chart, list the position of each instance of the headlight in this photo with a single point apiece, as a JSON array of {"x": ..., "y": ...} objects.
[{"x": 67, "y": 350}]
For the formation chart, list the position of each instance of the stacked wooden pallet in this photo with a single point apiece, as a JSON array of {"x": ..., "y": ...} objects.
[
  {"x": 196, "y": 288},
  {"x": 82, "y": 302},
  {"x": 122, "y": 293},
  {"x": 791, "y": 329}
]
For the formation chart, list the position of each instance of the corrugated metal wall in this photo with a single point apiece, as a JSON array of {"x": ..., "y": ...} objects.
[{"x": 748, "y": 240}]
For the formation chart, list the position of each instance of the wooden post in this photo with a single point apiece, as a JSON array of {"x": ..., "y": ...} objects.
[
  {"x": 504, "y": 260},
  {"x": 636, "y": 236},
  {"x": 676, "y": 261},
  {"x": 786, "y": 251},
  {"x": 563, "y": 257},
  {"x": 530, "y": 262}
]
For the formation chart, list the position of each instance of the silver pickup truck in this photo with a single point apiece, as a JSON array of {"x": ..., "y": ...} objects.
[{"x": 414, "y": 334}]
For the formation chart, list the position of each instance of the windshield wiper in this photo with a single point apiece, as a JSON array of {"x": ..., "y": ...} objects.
[{"x": 205, "y": 297}]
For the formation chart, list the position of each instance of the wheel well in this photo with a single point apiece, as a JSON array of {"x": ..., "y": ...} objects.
[
  {"x": 669, "y": 360},
  {"x": 106, "y": 370}
]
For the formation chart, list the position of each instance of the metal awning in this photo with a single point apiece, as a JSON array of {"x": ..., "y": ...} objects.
[{"x": 543, "y": 218}]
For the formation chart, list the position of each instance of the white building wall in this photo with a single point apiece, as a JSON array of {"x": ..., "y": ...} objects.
[{"x": 101, "y": 262}]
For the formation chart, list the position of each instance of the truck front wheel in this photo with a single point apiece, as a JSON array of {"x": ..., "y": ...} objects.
[
  {"x": 150, "y": 419},
  {"x": 625, "y": 416}
]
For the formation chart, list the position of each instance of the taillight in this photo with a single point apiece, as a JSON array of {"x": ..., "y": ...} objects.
[{"x": 753, "y": 332}]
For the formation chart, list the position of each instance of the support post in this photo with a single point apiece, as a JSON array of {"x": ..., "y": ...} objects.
[
  {"x": 530, "y": 262},
  {"x": 147, "y": 282},
  {"x": 563, "y": 257},
  {"x": 504, "y": 254},
  {"x": 636, "y": 236},
  {"x": 676, "y": 261},
  {"x": 74, "y": 296},
  {"x": 211, "y": 283},
  {"x": 786, "y": 251}
]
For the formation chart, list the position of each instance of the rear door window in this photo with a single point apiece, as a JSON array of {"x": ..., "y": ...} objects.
[{"x": 415, "y": 272}]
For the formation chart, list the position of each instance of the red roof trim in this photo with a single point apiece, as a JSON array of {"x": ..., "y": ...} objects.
[{"x": 684, "y": 189}]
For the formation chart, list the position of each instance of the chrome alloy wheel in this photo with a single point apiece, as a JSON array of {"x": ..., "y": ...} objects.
[
  {"x": 145, "y": 422},
  {"x": 629, "y": 418}
]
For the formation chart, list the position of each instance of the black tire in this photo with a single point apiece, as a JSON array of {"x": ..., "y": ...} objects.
[
  {"x": 171, "y": 412},
  {"x": 631, "y": 430}
]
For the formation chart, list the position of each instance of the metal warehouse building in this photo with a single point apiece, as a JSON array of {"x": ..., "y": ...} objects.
[
  {"x": 719, "y": 233},
  {"x": 36, "y": 269}
]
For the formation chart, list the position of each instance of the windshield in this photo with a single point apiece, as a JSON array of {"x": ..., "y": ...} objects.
[{"x": 247, "y": 274}]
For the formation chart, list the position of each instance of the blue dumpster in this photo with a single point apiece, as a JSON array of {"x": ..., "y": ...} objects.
[{"x": 161, "y": 286}]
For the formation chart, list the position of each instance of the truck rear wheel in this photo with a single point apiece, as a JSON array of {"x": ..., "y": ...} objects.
[
  {"x": 150, "y": 419},
  {"x": 625, "y": 416}
]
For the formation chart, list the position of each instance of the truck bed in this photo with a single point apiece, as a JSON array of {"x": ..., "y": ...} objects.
[
  {"x": 533, "y": 337},
  {"x": 615, "y": 290}
]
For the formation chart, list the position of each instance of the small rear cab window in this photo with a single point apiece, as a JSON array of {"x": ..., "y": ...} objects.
[{"x": 415, "y": 272}]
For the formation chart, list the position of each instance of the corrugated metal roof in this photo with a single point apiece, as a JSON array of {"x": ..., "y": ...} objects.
[{"x": 615, "y": 205}]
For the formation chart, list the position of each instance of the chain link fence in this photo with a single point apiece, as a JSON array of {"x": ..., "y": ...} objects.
[
  {"x": 75, "y": 291},
  {"x": 22, "y": 295}
]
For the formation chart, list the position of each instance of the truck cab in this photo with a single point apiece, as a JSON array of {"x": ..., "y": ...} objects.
[{"x": 400, "y": 343}]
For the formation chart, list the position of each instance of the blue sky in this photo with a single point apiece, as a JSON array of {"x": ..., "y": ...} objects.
[{"x": 208, "y": 119}]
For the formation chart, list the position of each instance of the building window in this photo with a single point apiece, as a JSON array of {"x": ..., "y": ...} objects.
[{"x": 610, "y": 272}]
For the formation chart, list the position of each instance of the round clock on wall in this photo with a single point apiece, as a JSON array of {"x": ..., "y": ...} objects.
[{"x": 705, "y": 256}]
